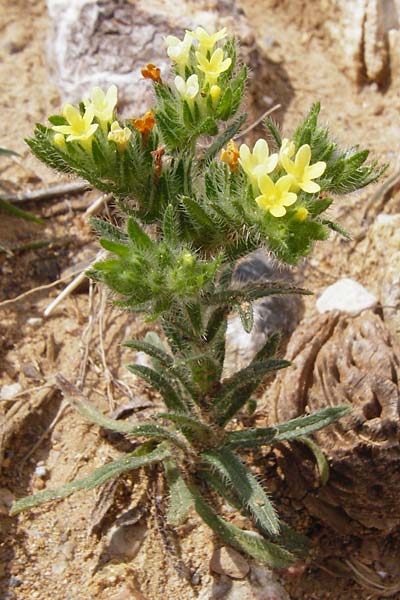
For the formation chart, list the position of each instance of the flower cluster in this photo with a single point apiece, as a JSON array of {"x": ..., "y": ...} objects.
[
  {"x": 197, "y": 53},
  {"x": 277, "y": 179}
]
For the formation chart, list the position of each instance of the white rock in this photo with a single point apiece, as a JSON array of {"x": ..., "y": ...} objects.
[
  {"x": 8, "y": 392},
  {"x": 40, "y": 471},
  {"x": 346, "y": 295},
  {"x": 34, "y": 321}
]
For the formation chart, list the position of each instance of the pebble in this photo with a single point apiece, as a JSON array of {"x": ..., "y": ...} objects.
[
  {"x": 41, "y": 471},
  {"x": 8, "y": 392},
  {"x": 226, "y": 561},
  {"x": 6, "y": 499},
  {"x": 346, "y": 295},
  {"x": 34, "y": 321}
]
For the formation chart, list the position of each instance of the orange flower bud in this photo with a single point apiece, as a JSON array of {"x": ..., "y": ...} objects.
[
  {"x": 230, "y": 156},
  {"x": 145, "y": 124},
  {"x": 150, "y": 71}
]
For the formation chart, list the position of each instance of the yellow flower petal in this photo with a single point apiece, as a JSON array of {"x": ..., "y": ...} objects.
[
  {"x": 289, "y": 198},
  {"x": 309, "y": 186},
  {"x": 303, "y": 158},
  {"x": 277, "y": 211},
  {"x": 266, "y": 185},
  {"x": 316, "y": 170}
]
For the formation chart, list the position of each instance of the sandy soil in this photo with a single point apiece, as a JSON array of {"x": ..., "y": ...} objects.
[{"x": 52, "y": 552}]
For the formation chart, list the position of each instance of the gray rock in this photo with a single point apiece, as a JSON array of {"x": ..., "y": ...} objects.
[
  {"x": 345, "y": 295},
  {"x": 226, "y": 561},
  {"x": 108, "y": 42}
]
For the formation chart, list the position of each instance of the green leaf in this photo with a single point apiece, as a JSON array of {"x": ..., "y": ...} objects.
[
  {"x": 254, "y": 292},
  {"x": 6, "y": 152},
  {"x": 116, "y": 247},
  {"x": 17, "y": 212},
  {"x": 247, "y": 541},
  {"x": 274, "y": 131},
  {"x": 170, "y": 226},
  {"x": 98, "y": 477},
  {"x": 160, "y": 382},
  {"x": 337, "y": 228},
  {"x": 137, "y": 235},
  {"x": 290, "y": 430},
  {"x": 320, "y": 457},
  {"x": 319, "y": 206},
  {"x": 108, "y": 230},
  {"x": 197, "y": 214},
  {"x": 250, "y": 493},
  {"x": 225, "y": 105},
  {"x": 224, "y": 138},
  {"x": 202, "y": 431},
  {"x": 181, "y": 499}
]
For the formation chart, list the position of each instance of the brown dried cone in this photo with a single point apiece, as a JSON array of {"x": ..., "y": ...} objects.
[{"x": 345, "y": 359}]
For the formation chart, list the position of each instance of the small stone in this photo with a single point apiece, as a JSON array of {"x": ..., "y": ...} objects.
[
  {"x": 226, "y": 561},
  {"x": 8, "y": 392},
  {"x": 14, "y": 581},
  {"x": 34, "y": 321},
  {"x": 346, "y": 295},
  {"x": 41, "y": 472}
]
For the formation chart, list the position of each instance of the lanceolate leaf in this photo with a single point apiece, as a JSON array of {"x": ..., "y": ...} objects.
[
  {"x": 224, "y": 137},
  {"x": 98, "y": 477},
  {"x": 322, "y": 463},
  {"x": 76, "y": 399},
  {"x": 181, "y": 499},
  {"x": 171, "y": 398},
  {"x": 247, "y": 541},
  {"x": 290, "y": 430},
  {"x": 249, "y": 491}
]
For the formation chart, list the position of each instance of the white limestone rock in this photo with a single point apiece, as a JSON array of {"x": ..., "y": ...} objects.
[{"x": 346, "y": 295}]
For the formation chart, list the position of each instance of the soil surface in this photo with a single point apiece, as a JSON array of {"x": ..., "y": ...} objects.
[{"x": 72, "y": 549}]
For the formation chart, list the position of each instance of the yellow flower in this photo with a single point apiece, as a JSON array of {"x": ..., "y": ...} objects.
[
  {"x": 302, "y": 171},
  {"x": 257, "y": 163},
  {"x": 213, "y": 68},
  {"x": 301, "y": 213},
  {"x": 287, "y": 148},
  {"x": 59, "y": 140},
  {"x": 80, "y": 128},
  {"x": 120, "y": 136},
  {"x": 187, "y": 89},
  {"x": 230, "y": 156},
  {"x": 207, "y": 41},
  {"x": 103, "y": 104},
  {"x": 179, "y": 50},
  {"x": 275, "y": 196},
  {"x": 215, "y": 93}
]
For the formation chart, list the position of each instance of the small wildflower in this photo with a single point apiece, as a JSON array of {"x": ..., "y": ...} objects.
[
  {"x": 150, "y": 71},
  {"x": 80, "y": 128},
  {"x": 145, "y": 124},
  {"x": 257, "y": 163},
  {"x": 103, "y": 105},
  {"x": 59, "y": 140},
  {"x": 213, "y": 68},
  {"x": 215, "y": 93},
  {"x": 157, "y": 158},
  {"x": 120, "y": 136},
  {"x": 230, "y": 156},
  {"x": 207, "y": 41},
  {"x": 189, "y": 89},
  {"x": 301, "y": 213},
  {"x": 187, "y": 259},
  {"x": 179, "y": 50},
  {"x": 288, "y": 148},
  {"x": 275, "y": 196},
  {"x": 302, "y": 171}
]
